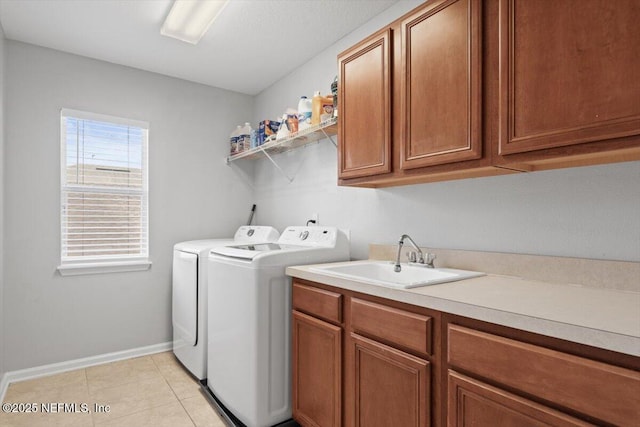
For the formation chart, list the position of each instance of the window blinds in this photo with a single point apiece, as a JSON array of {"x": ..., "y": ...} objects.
[{"x": 104, "y": 189}]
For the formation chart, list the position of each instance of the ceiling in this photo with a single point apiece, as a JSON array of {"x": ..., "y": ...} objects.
[{"x": 251, "y": 45}]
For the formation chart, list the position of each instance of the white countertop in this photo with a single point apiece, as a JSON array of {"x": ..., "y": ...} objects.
[{"x": 601, "y": 318}]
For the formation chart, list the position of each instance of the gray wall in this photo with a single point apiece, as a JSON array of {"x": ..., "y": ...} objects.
[
  {"x": 591, "y": 212},
  {"x": 192, "y": 195},
  {"x": 584, "y": 212},
  {"x": 2, "y": 55}
]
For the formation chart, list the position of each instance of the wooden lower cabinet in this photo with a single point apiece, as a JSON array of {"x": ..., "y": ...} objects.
[
  {"x": 361, "y": 361},
  {"x": 391, "y": 388},
  {"x": 372, "y": 362},
  {"x": 474, "y": 403},
  {"x": 317, "y": 372},
  {"x": 574, "y": 383}
]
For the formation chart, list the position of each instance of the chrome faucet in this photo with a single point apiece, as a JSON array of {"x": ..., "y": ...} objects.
[{"x": 414, "y": 257}]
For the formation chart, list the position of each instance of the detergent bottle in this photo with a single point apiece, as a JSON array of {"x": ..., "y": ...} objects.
[{"x": 321, "y": 108}]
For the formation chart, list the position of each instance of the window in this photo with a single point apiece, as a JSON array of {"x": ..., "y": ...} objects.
[{"x": 104, "y": 193}]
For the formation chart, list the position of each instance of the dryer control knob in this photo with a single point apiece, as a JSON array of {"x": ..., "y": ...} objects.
[{"x": 250, "y": 232}]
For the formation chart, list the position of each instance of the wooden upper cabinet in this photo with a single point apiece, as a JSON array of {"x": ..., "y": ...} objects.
[
  {"x": 441, "y": 84},
  {"x": 364, "y": 103},
  {"x": 569, "y": 72},
  {"x": 467, "y": 88}
]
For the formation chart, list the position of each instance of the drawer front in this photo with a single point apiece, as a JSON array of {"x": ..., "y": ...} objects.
[
  {"x": 606, "y": 392},
  {"x": 474, "y": 403},
  {"x": 318, "y": 302},
  {"x": 409, "y": 330}
]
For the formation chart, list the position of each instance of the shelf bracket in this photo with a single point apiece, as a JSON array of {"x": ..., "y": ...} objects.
[
  {"x": 276, "y": 164},
  {"x": 335, "y": 143}
]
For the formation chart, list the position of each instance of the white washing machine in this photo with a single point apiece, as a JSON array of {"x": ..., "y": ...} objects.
[
  {"x": 189, "y": 303},
  {"x": 249, "y": 320}
]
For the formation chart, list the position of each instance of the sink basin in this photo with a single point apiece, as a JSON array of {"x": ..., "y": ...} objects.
[{"x": 381, "y": 273}]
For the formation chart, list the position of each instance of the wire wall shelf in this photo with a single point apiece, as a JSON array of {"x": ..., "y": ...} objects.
[{"x": 325, "y": 130}]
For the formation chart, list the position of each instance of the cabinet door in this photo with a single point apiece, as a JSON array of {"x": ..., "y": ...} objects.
[
  {"x": 317, "y": 372},
  {"x": 474, "y": 403},
  {"x": 569, "y": 72},
  {"x": 440, "y": 85},
  {"x": 391, "y": 387},
  {"x": 364, "y": 105}
]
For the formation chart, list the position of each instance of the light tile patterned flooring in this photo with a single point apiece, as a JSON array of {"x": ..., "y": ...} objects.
[{"x": 145, "y": 391}]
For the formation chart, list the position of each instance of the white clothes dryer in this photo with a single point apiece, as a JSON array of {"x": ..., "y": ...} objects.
[
  {"x": 189, "y": 294},
  {"x": 249, "y": 320}
]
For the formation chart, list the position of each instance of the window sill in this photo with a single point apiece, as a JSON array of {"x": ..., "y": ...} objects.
[{"x": 103, "y": 267}]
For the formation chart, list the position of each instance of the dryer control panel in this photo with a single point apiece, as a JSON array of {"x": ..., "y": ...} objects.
[
  {"x": 257, "y": 233},
  {"x": 310, "y": 236}
]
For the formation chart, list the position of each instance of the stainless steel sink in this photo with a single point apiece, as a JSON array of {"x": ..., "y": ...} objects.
[{"x": 381, "y": 273}]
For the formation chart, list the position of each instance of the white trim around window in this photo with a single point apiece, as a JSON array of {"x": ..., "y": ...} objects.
[{"x": 104, "y": 194}]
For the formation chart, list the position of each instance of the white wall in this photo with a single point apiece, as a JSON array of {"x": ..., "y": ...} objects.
[
  {"x": 2, "y": 56},
  {"x": 192, "y": 195},
  {"x": 591, "y": 212}
]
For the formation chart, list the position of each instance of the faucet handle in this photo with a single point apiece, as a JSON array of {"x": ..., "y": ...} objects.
[
  {"x": 430, "y": 258},
  {"x": 416, "y": 257}
]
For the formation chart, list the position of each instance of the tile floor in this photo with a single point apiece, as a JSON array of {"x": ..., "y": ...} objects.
[{"x": 146, "y": 391}]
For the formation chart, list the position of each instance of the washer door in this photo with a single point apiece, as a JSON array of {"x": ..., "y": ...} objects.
[{"x": 185, "y": 297}]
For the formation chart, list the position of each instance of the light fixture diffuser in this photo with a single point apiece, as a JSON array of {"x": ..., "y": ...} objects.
[{"x": 189, "y": 20}]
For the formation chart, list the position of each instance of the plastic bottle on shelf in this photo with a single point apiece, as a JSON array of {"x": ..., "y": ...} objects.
[
  {"x": 334, "y": 93},
  {"x": 254, "y": 138},
  {"x": 304, "y": 113},
  {"x": 283, "y": 131},
  {"x": 244, "y": 139},
  {"x": 233, "y": 140},
  {"x": 321, "y": 109},
  {"x": 240, "y": 139}
]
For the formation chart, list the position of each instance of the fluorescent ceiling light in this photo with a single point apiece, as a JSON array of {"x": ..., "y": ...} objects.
[{"x": 188, "y": 20}]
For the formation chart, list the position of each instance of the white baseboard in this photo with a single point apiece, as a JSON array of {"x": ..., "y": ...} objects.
[
  {"x": 57, "y": 368},
  {"x": 4, "y": 384}
]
